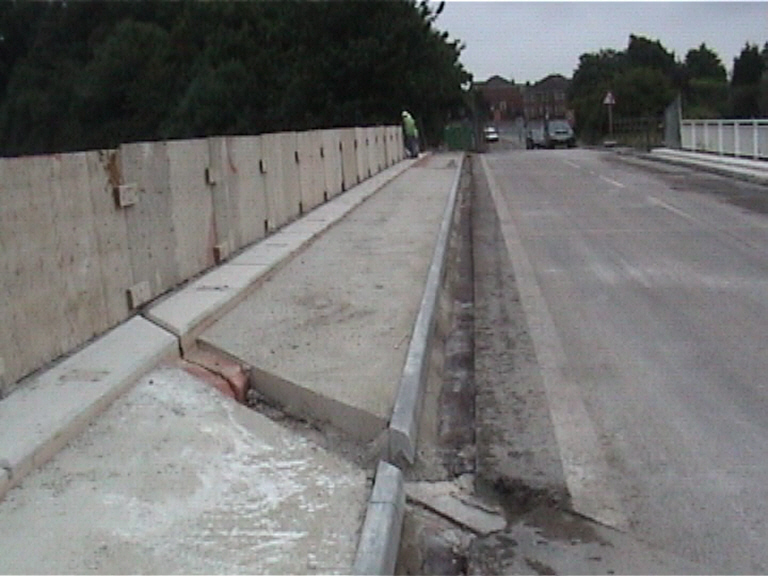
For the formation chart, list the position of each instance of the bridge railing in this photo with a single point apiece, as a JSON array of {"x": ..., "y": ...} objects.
[{"x": 741, "y": 138}]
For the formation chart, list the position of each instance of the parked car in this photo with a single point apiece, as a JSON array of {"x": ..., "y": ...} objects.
[
  {"x": 490, "y": 134},
  {"x": 535, "y": 137},
  {"x": 559, "y": 133}
]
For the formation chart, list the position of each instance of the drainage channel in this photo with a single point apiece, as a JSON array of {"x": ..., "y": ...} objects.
[{"x": 442, "y": 514}]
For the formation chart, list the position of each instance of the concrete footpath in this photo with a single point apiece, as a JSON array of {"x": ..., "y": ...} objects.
[{"x": 124, "y": 458}]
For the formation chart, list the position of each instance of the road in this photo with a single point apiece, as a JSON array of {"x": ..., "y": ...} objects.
[{"x": 646, "y": 296}]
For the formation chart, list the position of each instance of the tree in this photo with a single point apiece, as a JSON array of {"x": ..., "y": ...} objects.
[
  {"x": 706, "y": 84},
  {"x": 593, "y": 78},
  {"x": 126, "y": 88},
  {"x": 84, "y": 75},
  {"x": 748, "y": 66},
  {"x": 644, "y": 53},
  {"x": 703, "y": 63},
  {"x": 642, "y": 92},
  {"x": 748, "y": 70}
]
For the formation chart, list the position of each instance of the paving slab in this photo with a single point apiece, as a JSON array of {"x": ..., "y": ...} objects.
[
  {"x": 44, "y": 414},
  {"x": 327, "y": 334},
  {"x": 177, "y": 478}
]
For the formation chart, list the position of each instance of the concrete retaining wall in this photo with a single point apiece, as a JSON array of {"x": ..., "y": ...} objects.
[{"x": 87, "y": 238}]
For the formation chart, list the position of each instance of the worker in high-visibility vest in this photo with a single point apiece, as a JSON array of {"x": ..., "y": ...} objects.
[{"x": 411, "y": 134}]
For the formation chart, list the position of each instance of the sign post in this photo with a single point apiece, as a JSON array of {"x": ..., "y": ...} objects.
[{"x": 609, "y": 101}]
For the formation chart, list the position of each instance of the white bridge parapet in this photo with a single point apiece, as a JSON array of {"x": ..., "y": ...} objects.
[{"x": 740, "y": 138}]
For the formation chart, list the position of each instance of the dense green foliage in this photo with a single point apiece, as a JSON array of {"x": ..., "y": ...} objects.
[
  {"x": 750, "y": 76},
  {"x": 83, "y": 75},
  {"x": 646, "y": 77}
]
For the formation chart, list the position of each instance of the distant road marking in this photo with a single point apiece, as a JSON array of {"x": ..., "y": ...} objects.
[
  {"x": 572, "y": 164},
  {"x": 653, "y": 201},
  {"x": 618, "y": 184},
  {"x": 586, "y": 470}
]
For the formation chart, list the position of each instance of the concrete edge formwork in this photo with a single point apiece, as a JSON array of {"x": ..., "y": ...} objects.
[
  {"x": 379, "y": 543},
  {"x": 403, "y": 427},
  {"x": 38, "y": 420}
]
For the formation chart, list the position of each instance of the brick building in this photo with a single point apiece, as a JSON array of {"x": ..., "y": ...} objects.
[
  {"x": 504, "y": 98},
  {"x": 547, "y": 98}
]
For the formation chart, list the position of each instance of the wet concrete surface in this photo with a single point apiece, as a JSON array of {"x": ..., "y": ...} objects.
[{"x": 176, "y": 477}]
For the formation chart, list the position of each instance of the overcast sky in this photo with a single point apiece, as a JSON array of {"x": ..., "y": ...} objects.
[{"x": 527, "y": 41}]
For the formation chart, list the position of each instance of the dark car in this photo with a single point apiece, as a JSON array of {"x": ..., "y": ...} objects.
[{"x": 559, "y": 133}]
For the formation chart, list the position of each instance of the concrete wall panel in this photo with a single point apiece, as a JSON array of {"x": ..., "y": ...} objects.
[
  {"x": 78, "y": 271},
  {"x": 362, "y": 145},
  {"x": 380, "y": 137},
  {"x": 373, "y": 153},
  {"x": 311, "y": 169},
  {"x": 242, "y": 162},
  {"x": 389, "y": 147},
  {"x": 349, "y": 171},
  {"x": 111, "y": 234},
  {"x": 51, "y": 270},
  {"x": 332, "y": 162},
  {"x": 194, "y": 226},
  {"x": 283, "y": 185},
  {"x": 151, "y": 239},
  {"x": 26, "y": 239},
  {"x": 223, "y": 191}
]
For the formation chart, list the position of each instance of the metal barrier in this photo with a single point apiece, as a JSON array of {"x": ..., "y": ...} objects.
[{"x": 743, "y": 138}]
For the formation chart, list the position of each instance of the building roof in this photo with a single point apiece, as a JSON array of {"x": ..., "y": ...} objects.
[
  {"x": 494, "y": 83},
  {"x": 550, "y": 83}
]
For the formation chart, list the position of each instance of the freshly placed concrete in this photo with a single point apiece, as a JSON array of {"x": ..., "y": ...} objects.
[
  {"x": 327, "y": 335},
  {"x": 177, "y": 478},
  {"x": 42, "y": 416},
  {"x": 751, "y": 170},
  {"x": 188, "y": 311}
]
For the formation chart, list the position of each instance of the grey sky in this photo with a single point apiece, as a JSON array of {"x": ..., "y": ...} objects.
[{"x": 529, "y": 40}]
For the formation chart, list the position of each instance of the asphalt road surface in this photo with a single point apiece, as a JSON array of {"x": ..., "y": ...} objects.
[{"x": 645, "y": 290}]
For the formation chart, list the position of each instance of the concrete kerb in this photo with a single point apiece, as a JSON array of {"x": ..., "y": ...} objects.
[
  {"x": 403, "y": 427},
  {"x": 380, "y": 539}
]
